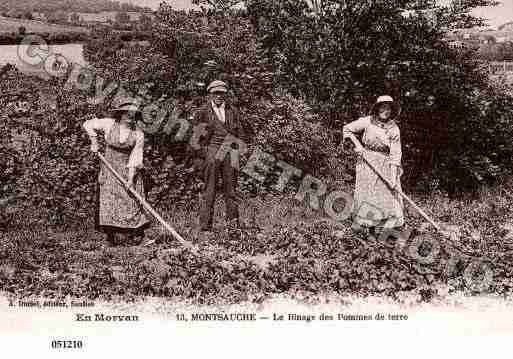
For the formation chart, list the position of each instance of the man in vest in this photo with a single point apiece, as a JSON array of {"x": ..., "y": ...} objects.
[{"x": 221, "y": 120}]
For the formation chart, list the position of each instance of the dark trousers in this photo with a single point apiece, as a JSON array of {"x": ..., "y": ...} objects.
[{"x": 213, "y": 170}]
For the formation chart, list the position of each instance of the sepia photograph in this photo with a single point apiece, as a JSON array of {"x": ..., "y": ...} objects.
[{"x": 294, "y": 177}]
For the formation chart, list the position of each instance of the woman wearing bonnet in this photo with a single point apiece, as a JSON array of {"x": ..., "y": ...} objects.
[
  {"x": 375, "y": 203},
  {"x": 119, "y": 215}
]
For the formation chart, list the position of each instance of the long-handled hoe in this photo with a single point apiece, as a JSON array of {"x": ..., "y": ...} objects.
[
  {"x": 401, "y": 193},
  {"x": 261, "y": 261}
]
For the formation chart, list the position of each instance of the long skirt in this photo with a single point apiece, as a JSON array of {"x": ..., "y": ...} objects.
[
  {"x": 374, "y": 203},
  {"x": 118, "y": 211}
]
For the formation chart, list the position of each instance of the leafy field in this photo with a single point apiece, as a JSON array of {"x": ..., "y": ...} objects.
[
  {"x": 285, "y": 248},
  {"x": 12, "y": 25}
]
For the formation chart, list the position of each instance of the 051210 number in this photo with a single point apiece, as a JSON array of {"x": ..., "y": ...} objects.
[{"x": 67, "y": 344}]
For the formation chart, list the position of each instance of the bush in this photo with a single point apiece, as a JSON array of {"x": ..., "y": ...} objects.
[
  {"x": 186, "y": 52},
  {"x": 11, "y": 169},
  {"x": 464, "y": 132},
  {"x": 295, "y": 104},
  {"x": 288, "y": 129},
  {"x": 55, "y": 173}
]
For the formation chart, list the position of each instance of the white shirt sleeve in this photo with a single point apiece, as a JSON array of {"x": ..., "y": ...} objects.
[
  {"x": 395, "y": 147},
  {"x": 219, "y": 111},
  {"x": 137, "y": 154},
  {"x": 98, "y": 124},
  {"x": 355, "y": 127}
]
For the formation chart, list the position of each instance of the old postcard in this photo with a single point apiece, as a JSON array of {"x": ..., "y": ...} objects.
[{"x": 260, "y": 177}]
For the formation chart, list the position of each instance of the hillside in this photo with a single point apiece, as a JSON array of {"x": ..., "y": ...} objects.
[
  {"x": 67, "y": 6},
  {"x": 104, "y": 16},
  {"x": 9, "y": 25},
  {"x": 177, "y": 4},
  {"x": 497, "y": 36}
]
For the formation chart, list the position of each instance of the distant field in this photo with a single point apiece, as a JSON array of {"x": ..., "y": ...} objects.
[
  {"x": 106, "y": 15},
  {"x": 12, "y": 25}
]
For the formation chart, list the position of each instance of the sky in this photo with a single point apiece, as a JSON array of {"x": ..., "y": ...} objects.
[{"x": 497, "y": 15}]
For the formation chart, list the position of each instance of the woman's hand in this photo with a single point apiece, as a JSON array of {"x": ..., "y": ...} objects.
[
  {"x": 131, "y": 176},
  {"x": 359, "y": 150},
  {"x": 94, "y": 146},
  {"x": 393, "y": 174}
]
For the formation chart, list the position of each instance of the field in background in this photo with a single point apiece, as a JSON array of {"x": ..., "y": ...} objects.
[
  {"x": 12, "y": 25},
  {"x": 9, "y": 54},
  {"x": 106, "y": 15}
]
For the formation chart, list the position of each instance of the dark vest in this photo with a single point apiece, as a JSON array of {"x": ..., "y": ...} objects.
[{"x": 218, "y": 130}]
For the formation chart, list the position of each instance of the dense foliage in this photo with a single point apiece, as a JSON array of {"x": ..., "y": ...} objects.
[
  {"x": 190, "y": 50},
  {"x": 344, "y": 56},
  {"x": 297, "y": 76},
  {"x": 336, "y": 59},
  {"x": 54, "y": 170}
]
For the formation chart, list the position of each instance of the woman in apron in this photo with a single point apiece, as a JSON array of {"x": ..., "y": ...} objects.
[
  {"x": 119, "y": 215},
  {"x": 374, "y": 203}
]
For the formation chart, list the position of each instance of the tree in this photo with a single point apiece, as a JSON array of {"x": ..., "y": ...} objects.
[
  {"x": 293, "y": 65},
  {"x": 184, "y": 55},
  {"x": 457, "y": 13},
  {"x": 218, "y": 5},
  {"x": 345, "y": 53},
  {"x": 94, "y": 6}
]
